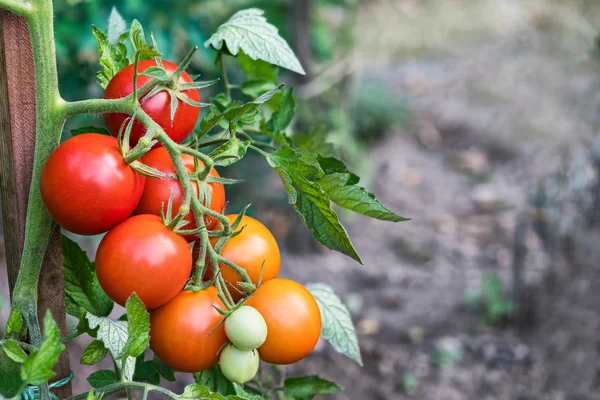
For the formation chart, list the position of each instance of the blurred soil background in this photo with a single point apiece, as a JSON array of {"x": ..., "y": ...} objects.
[{"x": 478, "y": 120}]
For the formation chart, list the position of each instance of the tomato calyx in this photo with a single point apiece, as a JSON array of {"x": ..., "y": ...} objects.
[{"x": 170, "y": 83}]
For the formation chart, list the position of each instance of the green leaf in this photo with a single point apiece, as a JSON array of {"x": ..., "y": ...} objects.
[
  {"x": 207, "y": 124},
  {"x": 242, "y": 393},
  {"x": 337, "y": 327},
  {"x": 255, "y": 88},
  {"x": 102, "y": 378},
  {"x": 91, "y": 396},
  {"x": 138, "y": 328},
  {"x": 82, "y": 289},
  {"x": 95, "y": 352},
  {"x": 300, "y": 173},
  {"x": 307, "y": 387},
  {"x": 114, "y": 336},
  {"x": 138, "y": 41},
  {"x": 14, "y": 326},
  {"x": 157, "y": 73},
  {"x": 14, "y": 351},
  {"x": 314, "y": 141},
  {"x": 116, "y": 26},
  {"x": 37, "y": 369},
  {"x": 215, "y": 381},
  {"x": 163, "y": 369},
  {"x": 249, "y": 31},
  {"x": 113, "y": 57},
  {"x": 146, "y": 371},
  {"x": 10, "y": 379},
  {"x": 258, "y": 69},
  {"x": 341, "y": 187},
  {"x": 230, "y": 152},
  {"x": 199, "y": 392},
  {"x": 89, "y": 129},
  {"x": 284, "y": 114}
]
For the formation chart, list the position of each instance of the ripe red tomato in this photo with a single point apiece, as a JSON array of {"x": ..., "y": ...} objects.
[
  {"x": 157, "y": 191},
  {"x": 248, "y": 250},
  {"x": 87, "y": 187},
  {"x": 141, "y": 255},
  {"x": 180, "y": 331},
  {"x": 158, "y": 107},
  {"x": 293, "y": 320}
]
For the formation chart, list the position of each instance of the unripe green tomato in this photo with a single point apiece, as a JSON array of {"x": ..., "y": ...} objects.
[
  {"x": 238, "y": 365},
  {"x": 246, "y": 328}
]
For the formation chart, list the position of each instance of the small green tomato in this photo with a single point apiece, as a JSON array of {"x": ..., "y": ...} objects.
[
  {"x": 246, "y": 328},
  {"x": 238, "y": 365}
]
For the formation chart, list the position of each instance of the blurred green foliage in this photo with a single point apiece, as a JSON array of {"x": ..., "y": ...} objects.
[{"x": 491, "y": 302}]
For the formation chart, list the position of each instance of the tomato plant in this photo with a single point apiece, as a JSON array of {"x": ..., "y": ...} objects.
[
  {"x": 177, "y": 121},
  {"x": 231, "y": 290},
  {"x": 157, "y": 191},
  {"x": 141, "y": 255},
  {"x": 87, "y": 187}
]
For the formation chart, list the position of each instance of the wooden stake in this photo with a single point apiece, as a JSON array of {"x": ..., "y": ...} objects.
[{"x": 17, "y": 142}]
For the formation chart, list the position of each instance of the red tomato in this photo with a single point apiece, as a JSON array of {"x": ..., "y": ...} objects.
[
  {"x": 180, "y": 331},
  {"x": 249, "y": 250},
  {"x": 141, "y": 255},
  {"x": 157, "y": 191},
  {"x": 293, "y": 320},
  {"x": 87, "y": 187},
  {"x": 158, "y": 107}
]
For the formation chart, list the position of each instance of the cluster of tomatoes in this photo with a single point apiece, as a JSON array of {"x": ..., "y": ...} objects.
[{"x": 88, "y": 188}]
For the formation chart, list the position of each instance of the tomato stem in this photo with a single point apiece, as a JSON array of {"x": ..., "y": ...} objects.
[{"x": 219, "y": 61}]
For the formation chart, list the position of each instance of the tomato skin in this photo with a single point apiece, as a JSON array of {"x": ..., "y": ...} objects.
[
  {"x": 179, "y": 330},
  {"x": 141, "y": 255},
  {"x": 157, "y": 191},
  {"x": 293, "y": 320},
  {"x": 238, "y": 365},
  {"x": 246, "y": 328},
  {"x": 248, "y": 250},
  {"x": 158, "y": 107},
  {"x": 86, "y": 186}
]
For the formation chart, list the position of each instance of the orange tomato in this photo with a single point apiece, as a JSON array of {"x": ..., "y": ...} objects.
[
  {"x": 293, "y": 320},
  {"x": 157, "y": 191},
  {"x": 248, "y": 250},
  {"x": 180, "y": 331}
]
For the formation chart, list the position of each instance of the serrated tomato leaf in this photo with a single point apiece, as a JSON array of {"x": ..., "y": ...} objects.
[
  {"x": 300, "y": 173},
  {"x": 200, "y": 392},
  {"x": 138, "y": 328},
  {"x": 14, "y": 351},
  {"x": 37, "y": 368},
  {"x": 15, "y": 328},
  {"x": 82, "y": 289},
  {"x": 102, "y": 378},
  {"x": 112, "y": 57},
  {"x": 337, "y": 327},
  {"x": 230, "y": 152},
  {"x": 95, "y": 352},
  {"x": 342, "y": 188},
  {"x": 249, "y": 31},
  {"x": 116, "y": 26},
  {"x": 138, "y": 40},
  {"x": 284, "y": 114},
  {"x": 114, "y": 336},
  {"x": 215, "y": 381},
  {"x": 307, "y": 387}
]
